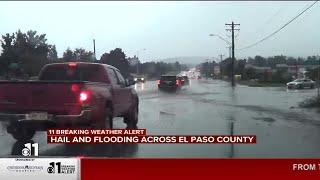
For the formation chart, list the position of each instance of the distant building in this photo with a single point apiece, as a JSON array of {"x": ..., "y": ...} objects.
[
  {"x": 263, "y": 73},
  {"x": 259, "y": 69},
  {"x": 216, "y": 70},
  {"x": 298, "y": 71},
  {"x": 279, "y": 66}
]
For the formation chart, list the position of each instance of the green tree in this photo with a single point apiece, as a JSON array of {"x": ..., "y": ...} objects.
[
  {"x": 177, "y": 66},
  {"x": 313, "y": 73},
  {"x": 311, "y": 60},
  {"x": 116, "y": 58},
  {"x": 68, "y": 55},
  {"x": 292, "y": 61},
  {"x": 84, "y": 55},
  {"x": 52, "y": 54},
  {"x": 29, "y": 51},
  {"x": 249, "y": 73},
  {"x": 281, "y": 76},
  {"x": 240, "y": 66},
  {"x": 8, "y": 54},
  {"x": 260, "y": 61},
  {"x": 280, "y": 59},
  {"x": 226, "y": 67},
  {"x": 79, "y": 54}
]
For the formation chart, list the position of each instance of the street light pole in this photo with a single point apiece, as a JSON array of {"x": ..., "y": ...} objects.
[
  {"x": 229, "y": 47},
  {"x": 94, "y": 49},
  {"x": 318, "y": 79},
  {"x": 223, "y": 39},
  {"x": 220, "y": 37}
]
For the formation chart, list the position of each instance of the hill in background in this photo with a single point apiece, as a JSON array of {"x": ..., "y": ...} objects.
[{"x": 188, "y": 60}]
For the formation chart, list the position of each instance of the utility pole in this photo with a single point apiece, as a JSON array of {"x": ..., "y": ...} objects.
[
  {"x": 318, "y": 79},
  {"x": 207, "y": 67},
  {"x": 137, "y": 62},
  {"x": 232, "y": 62},
  {"x": 94, "y": 49},
  {"x": 221, "y": 55}
]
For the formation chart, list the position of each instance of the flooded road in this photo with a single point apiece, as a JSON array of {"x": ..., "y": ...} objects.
[{"x": 208, "y": 107}]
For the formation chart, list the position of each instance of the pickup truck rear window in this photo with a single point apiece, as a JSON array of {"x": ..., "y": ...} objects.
[{"x": 79, "y": 73}]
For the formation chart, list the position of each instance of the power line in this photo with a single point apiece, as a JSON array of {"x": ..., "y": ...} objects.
[
  {"x": 275, "y": 32},
  {"x": 271, "y": 18}
]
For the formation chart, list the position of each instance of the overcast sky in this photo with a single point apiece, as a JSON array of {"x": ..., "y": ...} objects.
[{"x": 168, "y": 29}]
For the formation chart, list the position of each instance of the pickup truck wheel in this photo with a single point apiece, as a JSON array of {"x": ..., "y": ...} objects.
[
  {"x": 106, "y": 122},
  {"x": 109, "y": 118},
  {"x": 132, "y": 118},
  {"x": 22, "y": 134}
]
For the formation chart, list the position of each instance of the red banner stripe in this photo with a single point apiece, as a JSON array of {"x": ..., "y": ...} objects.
[{"x": 141, "y": 169}]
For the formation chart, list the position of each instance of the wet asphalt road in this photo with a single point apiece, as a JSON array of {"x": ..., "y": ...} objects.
[{"x": 209, "y": 107}]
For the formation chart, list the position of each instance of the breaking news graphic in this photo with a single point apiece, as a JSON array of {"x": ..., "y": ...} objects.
[{"x": 100, "y": 136}]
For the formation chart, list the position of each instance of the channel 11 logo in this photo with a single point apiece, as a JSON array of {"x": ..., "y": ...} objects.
[
  {"x": 52, "y": 167},
  {"x": 30, "y": 149},
  {"x": 59, "y": 168}
]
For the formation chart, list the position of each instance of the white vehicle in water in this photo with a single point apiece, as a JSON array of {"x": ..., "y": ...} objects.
[{"x": 301, "y": 84}]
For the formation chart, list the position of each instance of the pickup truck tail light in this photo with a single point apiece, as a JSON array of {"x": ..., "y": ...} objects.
[
  {"x": 177, "y": 82},
  {"x": 72, "y": 64},
  {"x": 84, "y": 97},
  {"x": 158, "y": 82}
]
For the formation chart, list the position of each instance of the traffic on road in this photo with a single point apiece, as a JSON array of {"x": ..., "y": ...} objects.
[{"x": 205, "y": 106}]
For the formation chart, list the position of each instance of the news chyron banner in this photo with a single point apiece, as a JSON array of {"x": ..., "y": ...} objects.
[
  {"x": 40, "y": 168},
  {"x": 103, "y": 136},
  {"x": 30, "y": 164}
]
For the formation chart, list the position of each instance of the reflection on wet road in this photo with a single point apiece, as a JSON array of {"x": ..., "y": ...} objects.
[{"x": 208, "y": 107}]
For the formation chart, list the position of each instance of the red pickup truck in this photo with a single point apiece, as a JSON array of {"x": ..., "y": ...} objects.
[{"x": 68, "y": 95}]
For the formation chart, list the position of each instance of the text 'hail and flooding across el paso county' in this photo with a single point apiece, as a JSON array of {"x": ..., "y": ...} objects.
[{"x": 96, "y": 136}]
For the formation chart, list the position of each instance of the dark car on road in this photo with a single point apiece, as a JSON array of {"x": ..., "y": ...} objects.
[
  {"x": 169, "y": 82},
  {"x": 185, "y": 80}
]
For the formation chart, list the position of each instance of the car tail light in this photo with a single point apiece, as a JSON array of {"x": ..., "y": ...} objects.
[
  {"x": 75, "y": 88},
  {"x": 158, "y": 82},
  {"x": 177, "y": 82},
  {"x": 72, "y": 64},
  {"x": 84, "y": 96}
]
